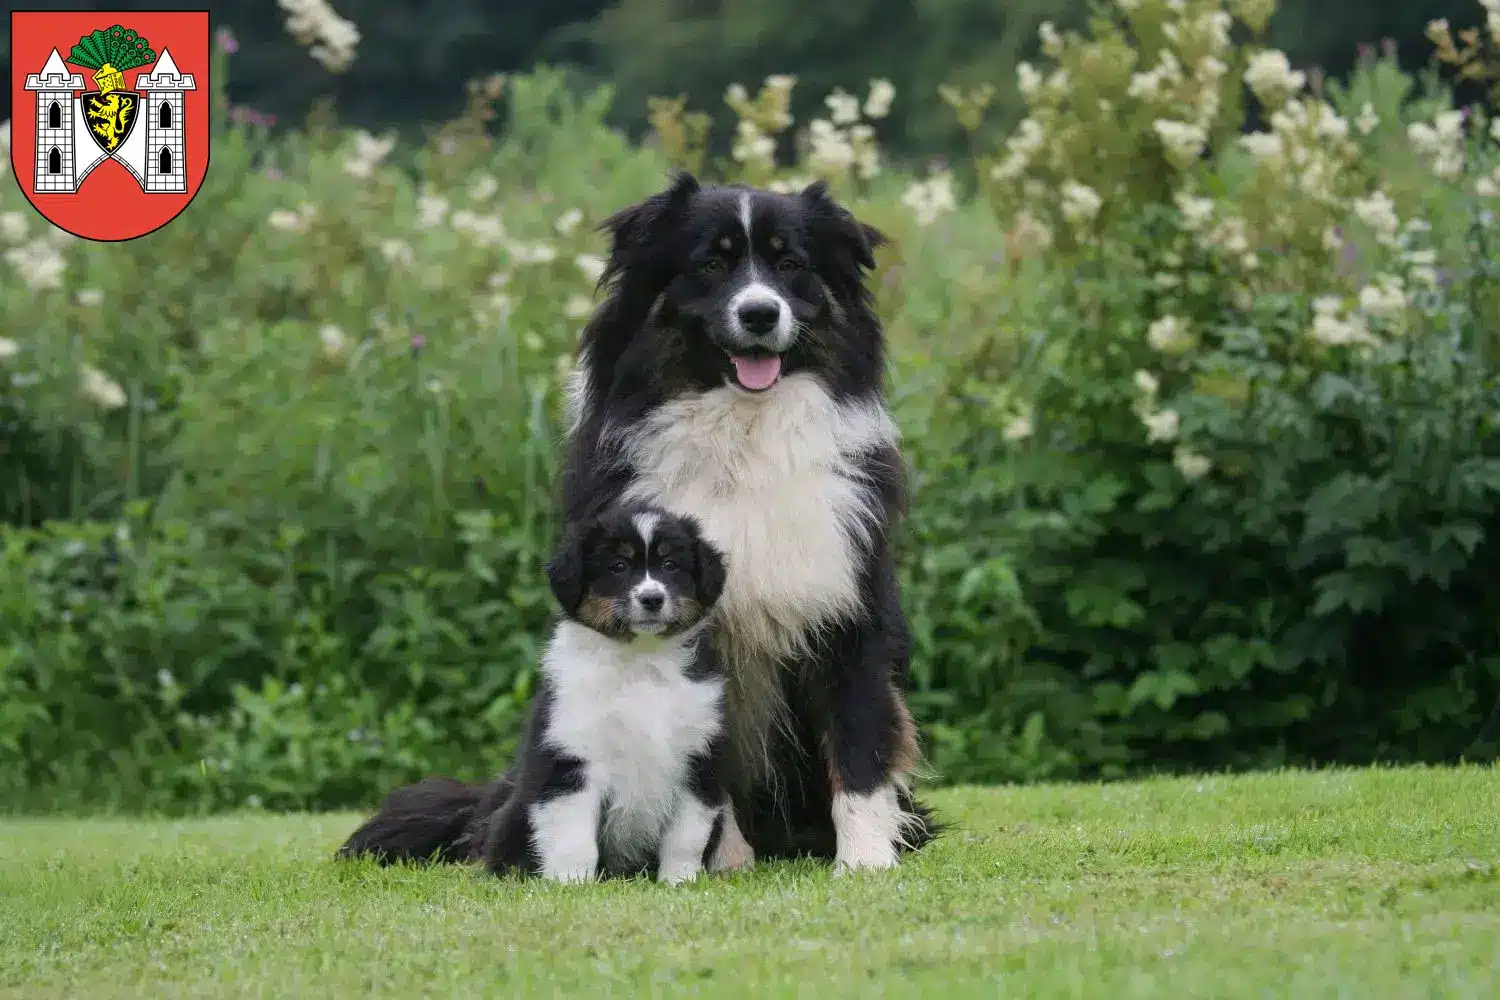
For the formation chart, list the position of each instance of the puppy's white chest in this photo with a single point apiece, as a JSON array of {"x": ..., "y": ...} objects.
[
  {"x": 774, "y": 481},
  {"x": 636, "y": 722}
]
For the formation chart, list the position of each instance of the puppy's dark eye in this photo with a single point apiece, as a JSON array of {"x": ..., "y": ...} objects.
[
  {"x": 619, "y": 566},
  {"x": 668, "y": 565},
  {"x": 788, "y": 264},
  {"x": 712, "y": 266}
]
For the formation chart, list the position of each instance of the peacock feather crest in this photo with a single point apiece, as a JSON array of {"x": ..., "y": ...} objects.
[{"x": 110, "y": 52}]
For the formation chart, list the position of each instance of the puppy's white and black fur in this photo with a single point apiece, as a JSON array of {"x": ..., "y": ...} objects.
[
  {"x": 619, "y": 769},
  {"x": 733, "y": 373}
]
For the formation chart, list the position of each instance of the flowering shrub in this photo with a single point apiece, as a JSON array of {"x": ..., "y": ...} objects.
[
  {"x": 1201, "y": 423},
  {"x": 1243, "y": 501}
]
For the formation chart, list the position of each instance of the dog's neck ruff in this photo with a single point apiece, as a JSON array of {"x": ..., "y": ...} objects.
[{"x": 776, "y": 481}]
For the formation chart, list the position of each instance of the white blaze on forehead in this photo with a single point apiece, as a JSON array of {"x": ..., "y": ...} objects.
[
  {"x": 646, "y": 524},
  {"x": 745, "y": 203}
]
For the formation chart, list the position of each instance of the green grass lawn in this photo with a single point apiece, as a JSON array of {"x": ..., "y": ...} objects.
[{"x": 1340, "y": 884}]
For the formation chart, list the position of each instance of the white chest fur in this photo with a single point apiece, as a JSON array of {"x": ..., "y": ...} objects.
[
  {"x": 774, "y": 480},
  {"x": 628, "y": 711}
]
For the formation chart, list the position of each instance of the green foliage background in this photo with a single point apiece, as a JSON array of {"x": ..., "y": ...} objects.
[{"x": 294, "y": 558}]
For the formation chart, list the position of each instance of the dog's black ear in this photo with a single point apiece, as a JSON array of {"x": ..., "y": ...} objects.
[
  {"x": 632, "y": 231},
  {"x": 565, "y": 571},
  {"x": 711, "y": 570},
  {"x": 832, "y": 223}
]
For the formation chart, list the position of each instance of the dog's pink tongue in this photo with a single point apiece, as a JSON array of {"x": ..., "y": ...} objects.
[{"x": 758, "y": 372}]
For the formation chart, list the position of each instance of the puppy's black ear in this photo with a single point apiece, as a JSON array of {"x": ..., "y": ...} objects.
[
  {"x": 634, "y": 230},
  {"x": 565, "y": 571},
  {"x": 832, "y": 224},
  {"x": 711, "y": 570}
]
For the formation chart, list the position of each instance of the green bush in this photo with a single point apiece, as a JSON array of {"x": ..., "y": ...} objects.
[{"x": 1202, "y": 430}]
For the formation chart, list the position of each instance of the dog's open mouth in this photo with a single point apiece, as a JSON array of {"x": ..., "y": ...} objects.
[{"x": 756, "y": 372}]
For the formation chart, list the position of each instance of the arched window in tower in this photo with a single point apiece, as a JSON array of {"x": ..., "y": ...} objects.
[
  {"x": 54, "y": 161},
  {"x": 165, "y": 161},
  {"x": 54, "y": 116},
  {"x": 166, "y": 115}
]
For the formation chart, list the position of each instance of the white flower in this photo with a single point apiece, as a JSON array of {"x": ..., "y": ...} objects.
[
  {"x": 578, "y": 307},
  {"x": 39, "y": 264},
  {"x": 930, "y": 198},
  {"x": 335, "y": 344},
  {"x": 1029, "y": 235},
  {"x": 1271, "y": 77},
  {"x": 432, "y": 209},
  {"x": 1168, "y": 333},
  {"x": 1196, "y": 212},
  {"x": 592, "y": 266},
  {"x": 1488, "y": 187},
  {"x": 1080, "y": 203},
  {"x": 8, "y": 348},
  {"x": 368, "y": 152},
  {"x": 13, "y": 226},
  {"x": 397, "y": 251},
  {"x": 1384, "y": 298},
  {"x": 1368, "y": 120},
  {"x": 1332, "y": 328},
  {"x": 1379, "y": 213},
  {"x": 331, "y": 39},
  {"x": 89, "y": 298},
  {"x": 1028, "y": 80},
  {"x": 843, "y": 107},
  {"x": 103, "y": 390},
  {"x": 484, "y": 188},
  {"x": 533, "y": 253},
  {"x": 1191, "y": 464},
  {"x": 878, "y": 104},
  {"x": 1020, "y": 426},
  {"x": 568, "y": 221},
  {"x": 830, "y": 150},
  {"x": 736, "y": 96},
  {"x": 751, "y": 145},
  {"x": 1052, "y": 42},
  {"x": 484, "y": 230},
  {"x": 1146, "y": 382},
  {"x": 1495, "y": 122},
  {"x": 1162, "y": 425},
  {"x": 1265, "y": 147},
  {"x": 1182, "y": 142}
]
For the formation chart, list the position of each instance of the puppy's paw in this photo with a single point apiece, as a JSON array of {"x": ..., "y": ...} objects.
[{"x": 678, "y": 874}]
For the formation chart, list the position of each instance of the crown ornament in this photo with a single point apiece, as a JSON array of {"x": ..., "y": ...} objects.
[{"x": 109, "y": 52}]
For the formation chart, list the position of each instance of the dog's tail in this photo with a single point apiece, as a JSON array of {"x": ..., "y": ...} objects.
[{"x": 431, "y": 821}]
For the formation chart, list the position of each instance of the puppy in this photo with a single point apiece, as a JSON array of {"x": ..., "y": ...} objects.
[{"x": 619, "y": 771}]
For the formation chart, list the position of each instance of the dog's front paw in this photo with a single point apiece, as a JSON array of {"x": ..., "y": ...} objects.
[
  {"x": 734, "y": 852},
  {"x": 678, "y": 874},
  {"x": 569, "y": 873},
  {"x": 873, "y": 860}
]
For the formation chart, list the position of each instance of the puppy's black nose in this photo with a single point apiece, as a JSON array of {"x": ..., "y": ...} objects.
[
  {"x": 652, "y": 602},
  {"x": 759, "y": 318}
]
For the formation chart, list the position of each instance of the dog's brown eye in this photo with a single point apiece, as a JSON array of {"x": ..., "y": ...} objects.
[
  {"x": 712, "y": 266},
  {"x": 787, "y": 264},
  {"x": 668, "y": 565}
]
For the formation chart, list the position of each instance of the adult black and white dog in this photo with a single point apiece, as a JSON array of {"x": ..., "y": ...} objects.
[
  {"x": 620, "y": 768},
  {"x": 734, "y": 373}
]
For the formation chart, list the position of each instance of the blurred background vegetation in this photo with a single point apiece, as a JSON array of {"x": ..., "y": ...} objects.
[
  {"x": 414, "y": 59},
  {"x": 1194, "y": 352}
]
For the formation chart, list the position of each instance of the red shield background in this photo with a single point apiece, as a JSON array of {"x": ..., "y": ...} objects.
[{"x": 110, "y": 205}]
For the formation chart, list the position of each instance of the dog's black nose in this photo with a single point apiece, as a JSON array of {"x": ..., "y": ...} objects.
[
  {"x": 652, "y": 602},
  {"x": 759, "y": 318}
]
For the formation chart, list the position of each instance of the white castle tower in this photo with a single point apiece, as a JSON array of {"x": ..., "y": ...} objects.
[
  {"x": 55, "y": 111},
  {"x": 164, "y": 166}
]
